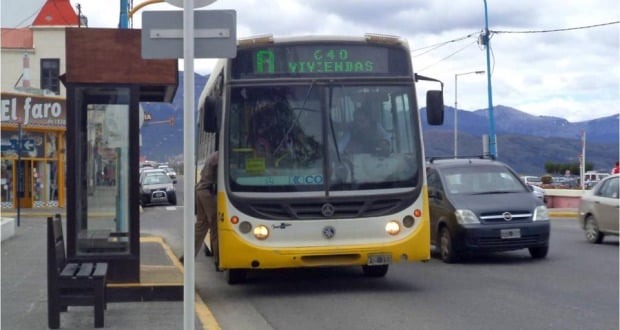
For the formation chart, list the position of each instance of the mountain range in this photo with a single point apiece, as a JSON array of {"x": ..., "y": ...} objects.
[{"x": 524, "y": 141}]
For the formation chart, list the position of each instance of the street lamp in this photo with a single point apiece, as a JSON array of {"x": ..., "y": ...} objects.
[{"x": 456, "y": 75}]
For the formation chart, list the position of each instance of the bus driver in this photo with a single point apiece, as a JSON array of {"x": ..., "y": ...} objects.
[{"x": 364, "y": 136}]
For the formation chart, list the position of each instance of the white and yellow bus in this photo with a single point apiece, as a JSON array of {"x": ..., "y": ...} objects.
[{"x": 289, "y": 192}]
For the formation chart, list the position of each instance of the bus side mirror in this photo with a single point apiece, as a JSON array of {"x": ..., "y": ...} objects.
[
  {"x": 210, "y": 113},
  {"x": 434, "y": 107}
]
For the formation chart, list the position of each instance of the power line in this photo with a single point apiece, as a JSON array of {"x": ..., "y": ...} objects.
[
  {"x": 435, "y": 46},
  {"x": 447, "y": 57},
  {"x": 558, "y": 30}
]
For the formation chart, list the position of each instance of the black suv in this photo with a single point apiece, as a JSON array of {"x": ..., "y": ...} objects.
[{"x": 482, "y": 205}]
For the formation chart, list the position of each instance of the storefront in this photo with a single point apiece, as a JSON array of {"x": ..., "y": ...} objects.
[{"x": 35, "y": 124}]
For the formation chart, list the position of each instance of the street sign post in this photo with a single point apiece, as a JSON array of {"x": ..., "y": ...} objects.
[
  {"x": 197, "y": 3},
  {"x": 20, "y": 169},
  {"x": 173, "y": 34}
]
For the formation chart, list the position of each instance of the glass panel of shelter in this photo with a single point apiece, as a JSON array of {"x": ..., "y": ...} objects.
[{"x": 104, "y": 227}]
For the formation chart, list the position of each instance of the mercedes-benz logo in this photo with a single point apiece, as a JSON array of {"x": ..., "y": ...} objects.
[
  {"x": 329, "y": 232},
  {"x": 507, "y": 216},
  {"x": 328, "y": 210}
]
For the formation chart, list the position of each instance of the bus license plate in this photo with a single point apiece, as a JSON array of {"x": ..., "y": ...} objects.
[
  {"x": 510, "y": 233},
  {"x": 379, "y": 259}
]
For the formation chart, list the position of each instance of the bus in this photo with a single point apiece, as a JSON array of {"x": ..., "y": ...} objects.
[{"x": 289, "y": 192}]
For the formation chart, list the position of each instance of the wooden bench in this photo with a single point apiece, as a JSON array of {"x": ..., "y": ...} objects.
[{"x": 71, "y": 283}]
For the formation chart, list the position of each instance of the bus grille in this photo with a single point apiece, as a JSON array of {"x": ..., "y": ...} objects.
[{"x": 312, "y": 210}]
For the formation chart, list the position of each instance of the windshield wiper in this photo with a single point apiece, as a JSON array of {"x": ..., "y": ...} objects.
[{"x": 494, "y": 192}]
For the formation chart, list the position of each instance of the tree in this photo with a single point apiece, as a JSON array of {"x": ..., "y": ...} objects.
[{"x": 560, "y": 168}]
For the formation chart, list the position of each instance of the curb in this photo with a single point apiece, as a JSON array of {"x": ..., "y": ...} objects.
[{"x": 563, "y": 214}]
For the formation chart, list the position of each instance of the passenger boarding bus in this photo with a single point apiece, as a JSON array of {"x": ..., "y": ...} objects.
[{"x": 292, "y": 191}]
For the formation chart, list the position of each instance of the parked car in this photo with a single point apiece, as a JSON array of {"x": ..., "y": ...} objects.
[
  {"x": 591, "y": 178},
  {"x": 170, "y": 171},
  {"x": 598, "y": 209},
  {"x": 533, "y": 180},
  {"x": 157, "y": 188},
  {"x": 481, "y": 205},
  {"x": 154, "y": 171},
  {"x": 538, "y": 192}
]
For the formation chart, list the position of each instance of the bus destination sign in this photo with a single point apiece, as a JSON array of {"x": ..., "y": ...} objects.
[{"x": 313, "y": 60}]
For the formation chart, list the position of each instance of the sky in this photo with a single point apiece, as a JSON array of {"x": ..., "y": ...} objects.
[{"x": 573, "y": 73}]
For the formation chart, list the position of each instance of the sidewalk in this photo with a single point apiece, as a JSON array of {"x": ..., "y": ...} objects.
[{"x": 24, "y": 284}]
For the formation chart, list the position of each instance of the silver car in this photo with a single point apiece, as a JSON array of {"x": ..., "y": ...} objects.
[{"x": 599, "y": 209}]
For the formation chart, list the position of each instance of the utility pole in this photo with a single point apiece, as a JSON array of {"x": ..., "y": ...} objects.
[
  {"x": 486, "y": 41},
  {"x": 123, "y": 22}
]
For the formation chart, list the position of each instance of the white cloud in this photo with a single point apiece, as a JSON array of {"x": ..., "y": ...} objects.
[{"x": 573, "y": 74}]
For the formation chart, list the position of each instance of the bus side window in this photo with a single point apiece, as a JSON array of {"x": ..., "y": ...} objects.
[
  {"x": 212, "y": 107},
  {"x": 210, "y": 113}
]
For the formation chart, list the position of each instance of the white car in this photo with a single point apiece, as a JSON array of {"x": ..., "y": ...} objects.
[
  {"x": 151, "y": 171},
  {"x": 538, "y": 192},
  {"x": 598, "y": 209},
  {"x": 531, "y": 180}
]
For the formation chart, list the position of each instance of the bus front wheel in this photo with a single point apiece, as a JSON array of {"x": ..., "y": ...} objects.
[
  {"x": 375, "y": 271},
  {"x": 236, "y": 276}
]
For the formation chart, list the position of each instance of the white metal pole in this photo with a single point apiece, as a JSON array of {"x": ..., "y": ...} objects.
[
  {"x": 455, "y": 120},
  {"x": 582, "y": 164},
  {"x": 188, "y": 163}
]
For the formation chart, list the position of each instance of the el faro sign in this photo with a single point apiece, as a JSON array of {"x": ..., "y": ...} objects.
[{"x": 33, "y": 110}]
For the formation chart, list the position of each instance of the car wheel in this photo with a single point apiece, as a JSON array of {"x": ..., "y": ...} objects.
[
  {"x": 173, "y": 200},
  {"x": 446, "y": 248},
  {"x": 593, "y": 234},
  {"x": 375, "y": 271},
  {"x": 236, "y": 276},
  {"x": 539, "y": 252}
]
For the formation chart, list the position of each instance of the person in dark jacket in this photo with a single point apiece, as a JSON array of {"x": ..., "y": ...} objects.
[{"x": 206, "y": 206}]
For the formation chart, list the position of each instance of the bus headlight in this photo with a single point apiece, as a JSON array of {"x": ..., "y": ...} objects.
[
  {"x": 392, "y": 228},
  {"x": 261, "y": 232}
]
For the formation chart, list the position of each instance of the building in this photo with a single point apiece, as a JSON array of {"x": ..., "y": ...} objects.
[{"x": 33, "y": 113}]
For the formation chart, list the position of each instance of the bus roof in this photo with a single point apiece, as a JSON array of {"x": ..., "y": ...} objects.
[{"x": 371, "y": 38}]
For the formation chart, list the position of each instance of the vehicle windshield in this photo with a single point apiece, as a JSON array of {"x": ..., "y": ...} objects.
[
  {"x": 310, "y": 138},
  {"x": 156, "y": 179},
  {"x": 481, "y": 180}
]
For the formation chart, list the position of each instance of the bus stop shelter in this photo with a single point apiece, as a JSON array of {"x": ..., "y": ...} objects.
[{"x": 106, "y": 79}]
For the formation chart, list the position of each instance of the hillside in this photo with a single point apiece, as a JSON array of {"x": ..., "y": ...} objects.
[{"x": 524, "y": 141}]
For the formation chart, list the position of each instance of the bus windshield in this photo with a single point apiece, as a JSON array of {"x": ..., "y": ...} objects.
[{"x": 322, "y": 137}]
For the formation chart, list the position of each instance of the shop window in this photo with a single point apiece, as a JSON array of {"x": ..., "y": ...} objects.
[
  {"x": 51, "y": 145},
  {"x": 38, "y": 181},
  {"x": 6, "y": 182},
  {"x": 51, "y": 183}
]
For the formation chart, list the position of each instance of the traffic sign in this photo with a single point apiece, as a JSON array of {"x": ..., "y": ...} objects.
[
  {"x": 215, "y": 34},
  {"x": 27, "y": 145}
]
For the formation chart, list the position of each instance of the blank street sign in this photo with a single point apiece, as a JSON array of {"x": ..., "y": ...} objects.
[{"x": 215, "y": 34}]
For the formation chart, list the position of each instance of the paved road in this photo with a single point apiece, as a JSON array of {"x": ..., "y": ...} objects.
[{"x": 576, "y": 287}]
